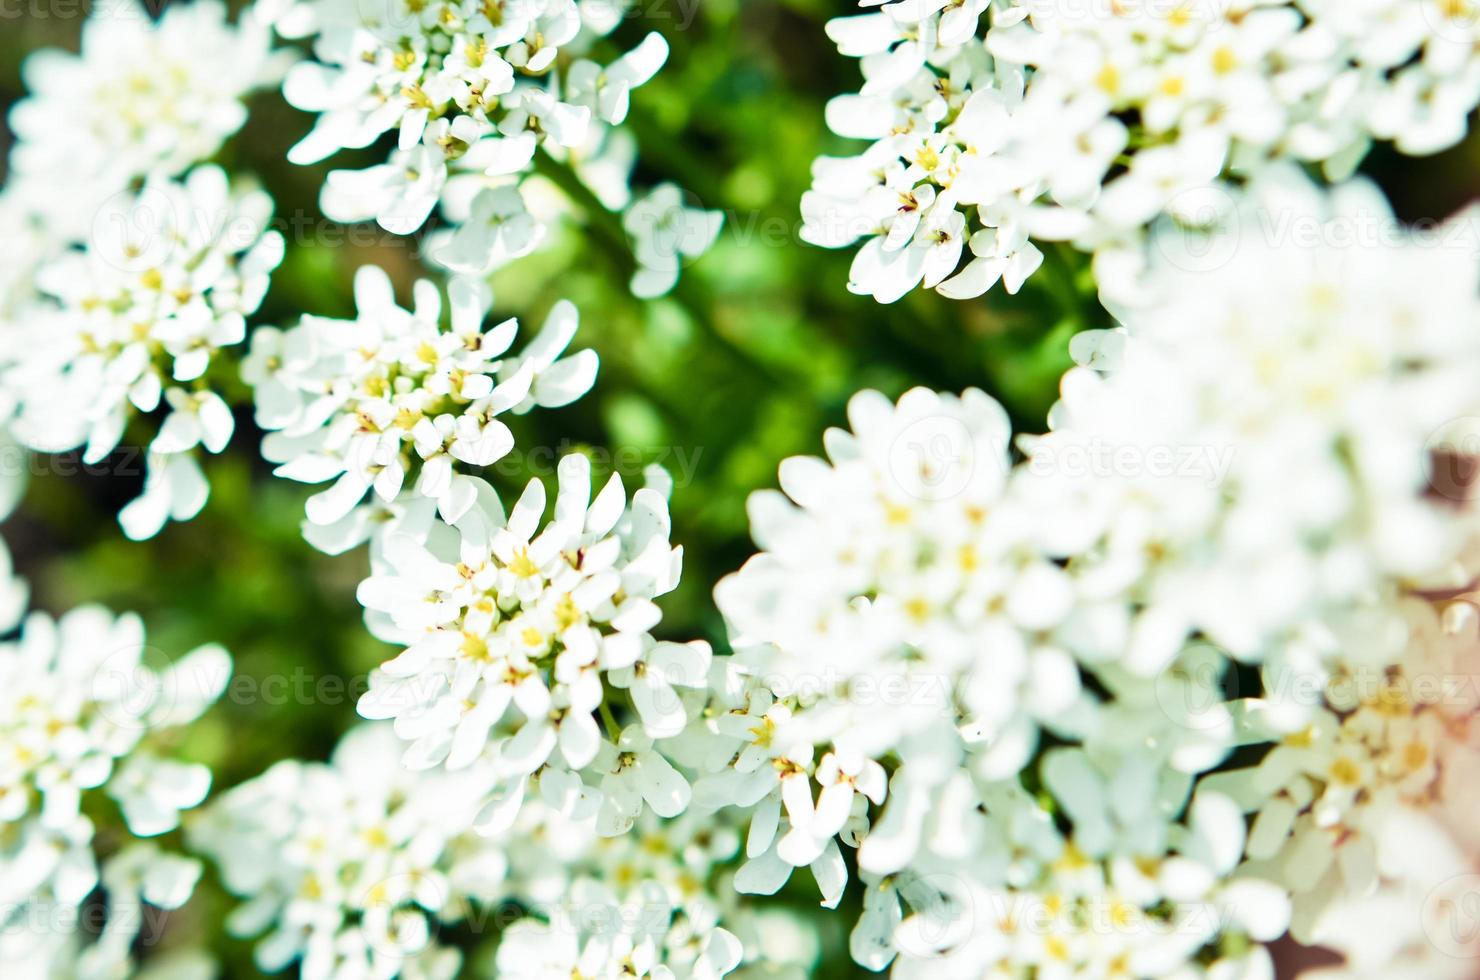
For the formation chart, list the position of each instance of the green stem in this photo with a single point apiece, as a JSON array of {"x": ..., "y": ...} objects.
[
  {"x": 613, "y": 730},
  {"x": 608, "y": 226}
]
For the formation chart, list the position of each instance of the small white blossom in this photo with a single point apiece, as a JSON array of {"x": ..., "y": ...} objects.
[
  {"x": 79, "y": 712},
  {"x": 1086, "y": 122},
  {"x": 470, "y": 88},
  {"x": 141, "y": 99},
  {"x": 349, "y": 867},
  {"x": 666, "y": 233},
  {"x": 131, "y": 325},
  {"x": 509, "y": 638},
  {"x": 395, "y": 398}
]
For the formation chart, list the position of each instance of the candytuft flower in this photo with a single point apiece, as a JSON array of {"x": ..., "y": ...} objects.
[{"x": 395, "y": 398}]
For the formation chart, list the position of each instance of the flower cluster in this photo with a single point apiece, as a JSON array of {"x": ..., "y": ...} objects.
[
  {"x": 640, "y": 905},
  {"x": 141, "y": 99},
  {"x": 513, "y": 637},
  {"x": 999, "y": 124},
  {"x": 353, "y": 867},
  {"x": 1234, "y": 479},
  {"x": 1192, "y": 671},
  {"x": 133, "y": 322},
  {"x": 1378, "y": 741},
  {"x": 1386, "y": 771},
  {"x": 395, "y": 396},
  {"x": 82, "y": 711},
  {"x": 125, "y": 273},
  {"x": 472, "y": 90}
]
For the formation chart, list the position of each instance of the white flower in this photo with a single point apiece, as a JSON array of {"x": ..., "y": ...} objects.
[
  {"x": 886, "y": 567},
  {"x": 396, "y": 399},
  {"x": 470, "y": 88},
  {"x": 509, "y": 638},
  {"x": 498, "y": 230},
  {"x": 1099, "y": 121},
  {"x": 634, "y": 773},
  {"x": 27, "y": 242},
  {"x": 77, "y": 704},
  {"x": 138, "y": 876},
  {"x": 141, "y": 99},
  {"x": 134, "y": 320},
  {"x": 606, "y": 91},
  {"x": 400, "y": 194},
  {"x": 1278, "y": 441},
  {"x": 665, "y": 235},
  {"x": 651, "y": 682},
  {"x": 1233, "y": 478},
  {"x": 628, "y": 904},
  {"x": 151, "y": 792},
  {"x": 349, "y": 866}
]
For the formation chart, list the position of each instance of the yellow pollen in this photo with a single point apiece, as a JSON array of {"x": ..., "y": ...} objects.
[
  {"x": 522, "y": 566},
  {"x": 1344, "y": 772},
  {"x": 566, "y": 613},
  {"x": 1302, "y": 739},
  {"x": 474, "y": 647}
]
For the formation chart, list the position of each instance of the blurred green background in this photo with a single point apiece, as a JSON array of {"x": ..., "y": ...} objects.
[{"x": 755, "y": 353}]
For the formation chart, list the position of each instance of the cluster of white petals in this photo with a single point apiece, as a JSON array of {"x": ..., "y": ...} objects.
[
  {"x": 82, "y": 716},
  {"x": 397, "y": 399},
  {"x": 354, "y": 868},
  {"x": 1368, "y": 812},
  {"x": 515, "y": 634},
  {"x": 641, "y": 905},
  {"x": 130, "y": 325},
  {"x": 1238, "y": 485},
  {"x": 1384, "y": 744},
  {"x": 999, "y": 124},
  {"x": 126, "y": 269},
  {"x": 143, "y": 98},
  {"x": 1191, "y": 671},
  {"x": 665, "y": 233},
  {"x": 473, "y": 90}
]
